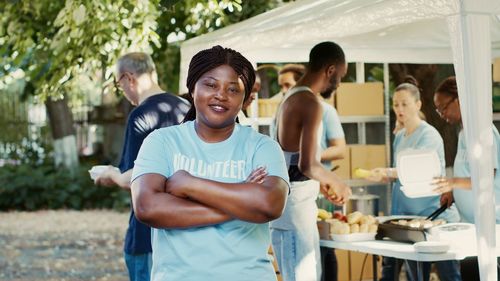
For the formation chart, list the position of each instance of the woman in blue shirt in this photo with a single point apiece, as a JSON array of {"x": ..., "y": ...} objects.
[
  {"x": 448, "y": 108},
  {"x": 415, "y": 134},
  {"x": 201, "y": 186}
]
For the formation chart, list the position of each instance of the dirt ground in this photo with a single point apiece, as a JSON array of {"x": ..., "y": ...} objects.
[{"x": 62, "y": 245}]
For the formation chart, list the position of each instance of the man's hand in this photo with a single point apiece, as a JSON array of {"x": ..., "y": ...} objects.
[
  {"x": 257, "y": 176},
  {"x": 106, "y": 177},
  {"x": 336, "y": 192}
]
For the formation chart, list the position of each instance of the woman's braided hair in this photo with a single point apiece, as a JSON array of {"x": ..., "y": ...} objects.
[{"x": 214, "y": 57}]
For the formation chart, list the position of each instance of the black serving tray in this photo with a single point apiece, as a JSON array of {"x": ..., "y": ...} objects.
[{"x": 401, "y": 233}]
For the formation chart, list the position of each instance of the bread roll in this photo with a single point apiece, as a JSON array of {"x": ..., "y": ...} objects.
[
  {"x": 372, "y": 228},
  {"x": 355, "y": 217},
  {"x": 345, "y": 228},
  {"x": 354, "y": 228},
  {"x": 363, "y": 228},
  {"x": 336, "y": 227}
]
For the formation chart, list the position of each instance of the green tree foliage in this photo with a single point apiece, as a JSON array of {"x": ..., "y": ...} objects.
[
  {"x": 53, "y": 42},
  {"x": 191, "y": 18}
]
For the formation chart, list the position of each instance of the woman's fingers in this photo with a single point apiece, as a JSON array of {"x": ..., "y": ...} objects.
[
  {"x": 257, "y": 176},
  {"x": 441, "y": 185}
]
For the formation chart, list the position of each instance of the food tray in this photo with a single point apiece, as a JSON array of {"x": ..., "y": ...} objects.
[
  {"x": 400, "y": 233},
  {"x": 353, "y": 237}
]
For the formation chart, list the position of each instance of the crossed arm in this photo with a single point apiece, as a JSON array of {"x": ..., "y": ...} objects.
[{"x": 183, "y": 200}]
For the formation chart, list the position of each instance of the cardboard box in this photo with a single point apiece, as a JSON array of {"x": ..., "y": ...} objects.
[
  {"x": 367, "y": 156},
  {"x": 344, "y": 169},
  {"x": 350, "y": 266},
  {"x": 344, "y": 271},
  {"x": 360, "y": 99},
  {"x": 496, "y": 70},
  {"x": 267, "y": 107}
]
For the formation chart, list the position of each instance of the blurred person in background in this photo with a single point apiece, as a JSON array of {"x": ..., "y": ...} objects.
[
  {"x": 288, "y": 76},
  {"x": 333, "y": 147},
  {"x": 136, "y": 76}
]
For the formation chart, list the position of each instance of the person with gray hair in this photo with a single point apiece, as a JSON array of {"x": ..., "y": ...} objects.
[{"x": 136, "y": 76}]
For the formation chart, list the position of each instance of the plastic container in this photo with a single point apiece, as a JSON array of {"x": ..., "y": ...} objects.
[{"x": 416, "y": 172}]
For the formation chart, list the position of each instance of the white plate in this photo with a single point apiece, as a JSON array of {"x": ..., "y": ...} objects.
[
  {"x": 353, "y": 237},
  {"x": 431, "y": 247}
]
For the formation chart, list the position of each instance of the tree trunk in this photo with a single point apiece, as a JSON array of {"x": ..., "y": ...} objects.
[
  {"x": 428, "y": 79},
  {"x": 63, "y": 133}
]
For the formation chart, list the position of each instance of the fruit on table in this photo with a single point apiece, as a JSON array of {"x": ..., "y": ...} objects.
[
  {"x": 324, "y": 214},
  {"x": 339, "y": 216}
]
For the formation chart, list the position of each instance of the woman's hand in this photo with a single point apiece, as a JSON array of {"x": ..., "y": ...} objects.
[
  {"x": 377, "y": 175},
  {"x": 443, "y": 184},
  {"x": 257, "y": 176},
  {"x": 447, "y": 198},
  {"x": 178, "y": 184}
]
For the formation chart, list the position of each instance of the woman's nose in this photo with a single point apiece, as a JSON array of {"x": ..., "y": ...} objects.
[{"x": 221, "y": 94}]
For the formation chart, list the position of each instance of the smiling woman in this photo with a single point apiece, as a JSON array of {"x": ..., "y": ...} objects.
[{"x": 210, "y": 186}]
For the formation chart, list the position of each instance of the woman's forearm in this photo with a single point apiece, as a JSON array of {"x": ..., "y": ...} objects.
[
  {"x": 461, "y": 183},
  {"x": 156, "y": 208},
  {"x": 251, "y": 202}
]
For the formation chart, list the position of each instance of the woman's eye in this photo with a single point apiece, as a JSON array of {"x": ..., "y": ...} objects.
[
  {"x": 234, "y": 90},
  {"x": 210, "y": 85}
]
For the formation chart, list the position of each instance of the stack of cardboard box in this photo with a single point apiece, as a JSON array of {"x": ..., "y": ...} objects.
[
  {"x": 361, "y": 156},
  {"x": 360, "y": 99},
  {"x": 355, "y": 266}
]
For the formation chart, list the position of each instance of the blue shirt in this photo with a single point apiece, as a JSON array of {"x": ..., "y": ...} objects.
[
  {"x": 154, "y": 112},
  {"x": 234, "y": 250},
  {"x": 424, "y": 137},
  {"x": 461, "y": 169},
  {"x": 332, "y": 129}
]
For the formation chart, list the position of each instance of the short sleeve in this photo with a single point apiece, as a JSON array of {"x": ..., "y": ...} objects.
[
  {"x": 153, "y": 157},
  {"x": 332, "y": 124},
  {"x": 268, "y": 154}
]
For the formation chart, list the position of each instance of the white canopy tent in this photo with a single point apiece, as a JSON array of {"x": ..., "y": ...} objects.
[{"x": 463, "y": 32}]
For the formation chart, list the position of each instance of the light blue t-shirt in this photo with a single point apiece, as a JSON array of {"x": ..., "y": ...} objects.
[
  {"x": 424, "y": 137},
  {"x": 332, "y": 129},
  {"x": 234, "y": 250},
  {"x": 464, "y": 198}
]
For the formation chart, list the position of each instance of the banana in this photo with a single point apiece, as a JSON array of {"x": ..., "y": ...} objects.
[
  {"x": 324, "y": 214},
  {"x": 362, "y": 173}
]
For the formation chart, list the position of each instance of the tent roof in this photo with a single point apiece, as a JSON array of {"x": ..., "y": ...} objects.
[{"x": 368, "y": 30}]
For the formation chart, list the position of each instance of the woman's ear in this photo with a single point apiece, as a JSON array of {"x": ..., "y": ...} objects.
[{"x": 419, "y": 105}]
